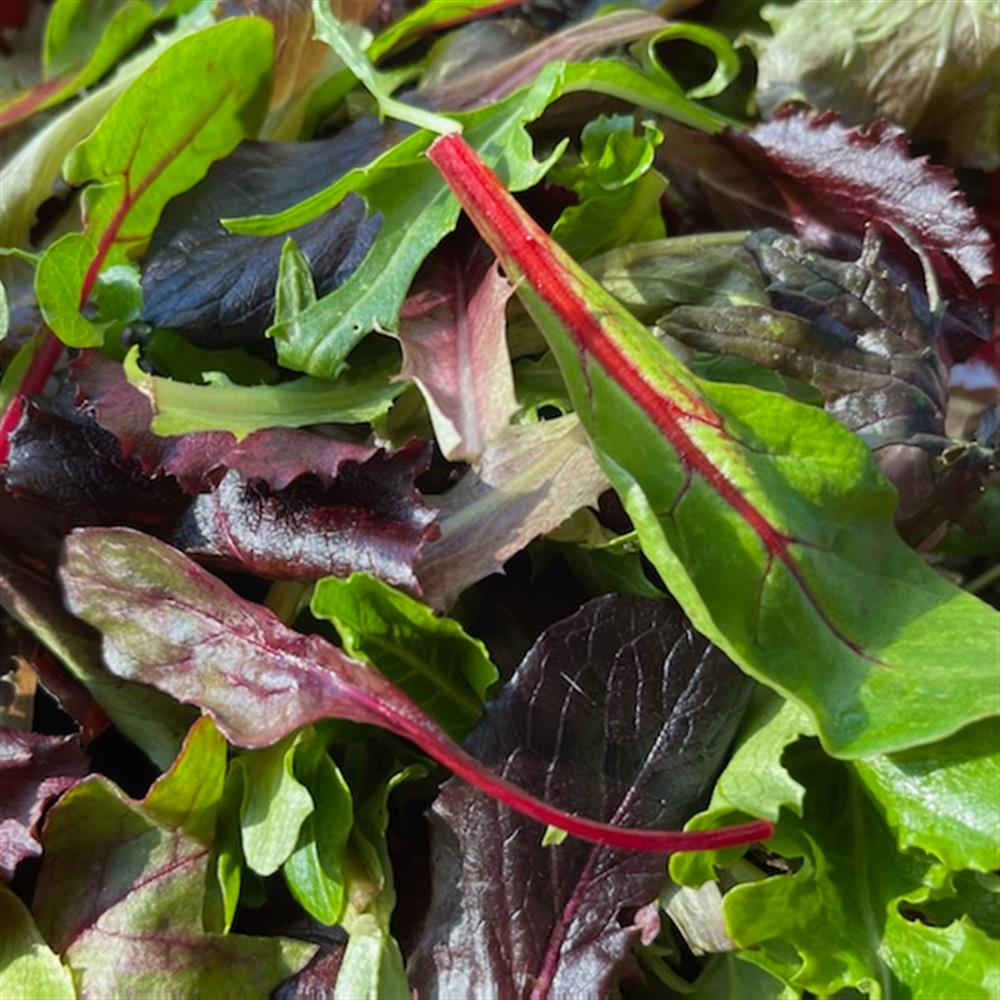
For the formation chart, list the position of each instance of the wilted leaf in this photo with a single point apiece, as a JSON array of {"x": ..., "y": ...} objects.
[
  {"x": 33, "y": 769},
  {"x": 527, "y": 482},
  {"x": 452, "y": 330},
  {"x": 120, "y": 891},
  {"x": 925, "y": 65},
  {"x": 621, "y": 710}
]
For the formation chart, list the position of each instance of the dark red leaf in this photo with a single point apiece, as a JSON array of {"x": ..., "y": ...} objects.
[
  {"x": 621, "y": 711},
  {"x": 172, "y": 625},
  {"x": 33, "y": 769}
]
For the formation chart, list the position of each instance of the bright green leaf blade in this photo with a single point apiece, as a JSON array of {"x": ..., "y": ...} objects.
[
  {"x": 360, "y": 394},
  {"x": 205, "y": 93},
  {"x": 225, "y": 864},
  {"x": 769, "y": 520},
  {"x": 315, "y": 870},
  {"x": 275, "y": 805},
  {"x": 28, "y": 966},
  {"x": 434, "y": 660},
  {"x": 943, "y": 798},
  {"x": 331, "y": 31}
]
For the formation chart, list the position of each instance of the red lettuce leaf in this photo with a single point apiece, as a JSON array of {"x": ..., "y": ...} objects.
[
  {"x": 621, "y": 711},
  {"x": 33, "y": 769},
  {"x": 169, "y": 623},
  {"x": 217, "y": 288}
]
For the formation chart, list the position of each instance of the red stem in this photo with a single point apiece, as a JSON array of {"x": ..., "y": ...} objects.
[{"x": 43, "y": 363}]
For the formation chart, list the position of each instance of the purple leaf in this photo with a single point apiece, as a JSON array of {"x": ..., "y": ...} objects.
[
  {"x": 174, "y": 626},
  {"x": 122, "y": 887},
  {"x": 453, "y": 334},
  {"x": 33, "y": 769},
  {"x": 622, "y": 711},
  {"x": 370, "y": 519},
  {"x": 218, "y": 288},
  {"x": 830, "y": 182},
  {"x": 528, "y": 481}
]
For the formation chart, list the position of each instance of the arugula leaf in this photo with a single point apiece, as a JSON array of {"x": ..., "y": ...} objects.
[
  {"x": 152, "y": 858},
  {"x": 768, "y": 519},
  {"x": 434, "y": 660},
  {"x": 205, "y": 93},
  {"x": 360, "y": 394},
  {"x": 260, "y": 680},
  {"x": 331, "y": 31}
]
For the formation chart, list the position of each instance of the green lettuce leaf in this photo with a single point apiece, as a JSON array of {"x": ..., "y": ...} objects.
[
  {"x": 769, "y": 521},
  {"x": 28, "y": 966},
  {"x": 434, "y": 660}
]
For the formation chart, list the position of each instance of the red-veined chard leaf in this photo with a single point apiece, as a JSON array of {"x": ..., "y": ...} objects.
[
  {"x": 82, "y": 42},
  {"x": 205, "y": 94},
  {"x": 768, "y": 520},
  {"x": 33, "y": 769},
  {"x": 621, "y": 710},
  {"x": 452, "y": 331},
  {"x": 167, "y": 621},
  {"x": 122, "y": 886}
]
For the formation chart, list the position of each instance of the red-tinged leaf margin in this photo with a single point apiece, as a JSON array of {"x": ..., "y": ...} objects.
[
  {"x": 313, "y": 679},
  {"x": 26, "y": 103}
]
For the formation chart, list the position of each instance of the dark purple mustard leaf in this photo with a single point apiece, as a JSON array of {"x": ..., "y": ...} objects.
[
  {"x": 33, "y": 770},
  {"x": 831, "y": 182},
  {"x": 277, "y": 455},
  {"x": 369, "y": 519},
  {"x": 217, "y": 288},
  {"x": 169, "y": 623},
  {"x": 867, "y": 345},
  {"x": 621, "y": 710}
]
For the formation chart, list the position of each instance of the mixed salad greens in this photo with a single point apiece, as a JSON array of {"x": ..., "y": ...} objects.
[{"x": 595, "y": 403}]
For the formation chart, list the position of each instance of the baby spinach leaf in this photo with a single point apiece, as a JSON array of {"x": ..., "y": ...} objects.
[
  {"x": 620, "y": 710},
  {"x": 181, "y": 630},
  {"x": 205, "y": 93},
  {"x": 769, "y": 521},
  {"x": 434, "y": 660},
  {"x": 119, "y": 895}
]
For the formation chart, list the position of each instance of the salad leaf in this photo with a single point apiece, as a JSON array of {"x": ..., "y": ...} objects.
[
  {"x": 203, "y": 104},
  {"x": 434, "y": 660},
  {"x": 137, "y": 925},
  {"x": 33, "y": 769},
  {"x": 928, "y": 67},
  {"x": 530, "y": 480},
  {"x": 806, "y": 515},
  {"x": 619, "y": 194},
  {"x": 28, "y": 967},
  {"x": 360, "y": 394},
  {"x": 218, "y": 288},
  {"x": 452, "y": 334},
  {"x": 259, "y": 680},
  {"x": 621, "y": 710}
]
